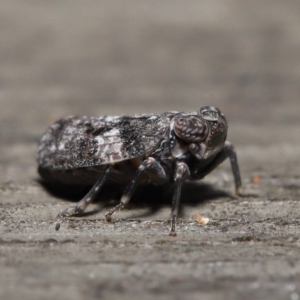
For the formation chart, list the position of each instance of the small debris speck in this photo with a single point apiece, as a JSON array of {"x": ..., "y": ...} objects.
[{"x": 201, "y": 220}]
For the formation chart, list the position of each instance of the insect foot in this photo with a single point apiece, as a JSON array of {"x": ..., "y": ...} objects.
[
  {"x": 69, "y": 211},
  {"x": 171, "y": 147},
  {"x": 118, "y": 207},
  {"x": 240, "y": 193}
]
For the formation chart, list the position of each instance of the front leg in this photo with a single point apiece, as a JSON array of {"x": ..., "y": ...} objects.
[
  {"x": 181, "y": 174},
  {"x": 228, "y": 151}
]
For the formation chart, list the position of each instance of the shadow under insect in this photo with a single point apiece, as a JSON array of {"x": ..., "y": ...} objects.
[{"x": 148, "y": 197}]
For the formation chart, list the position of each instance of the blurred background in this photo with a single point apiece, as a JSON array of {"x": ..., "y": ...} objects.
[
  {"x": 59, "y": 58},
  {"x": 111, "y": 57}
]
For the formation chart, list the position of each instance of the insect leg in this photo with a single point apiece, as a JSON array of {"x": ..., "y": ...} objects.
[
  {"x": 80, "y": 207},
  {"x": 155, "y": 172},
  {"x": 181, "y": 174},
  {"x": 227, "y": 151}
]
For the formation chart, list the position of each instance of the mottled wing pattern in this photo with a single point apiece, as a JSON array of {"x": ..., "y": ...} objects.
[{"x": 76, "y": 142}]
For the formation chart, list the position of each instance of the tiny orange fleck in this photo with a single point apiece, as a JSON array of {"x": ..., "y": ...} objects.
[
  {"x": 256, "y": 179},
  {"x": 201, "y": 220}
]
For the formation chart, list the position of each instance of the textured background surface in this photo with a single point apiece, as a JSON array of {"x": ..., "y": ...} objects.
[{"x": 120, "y": 57}]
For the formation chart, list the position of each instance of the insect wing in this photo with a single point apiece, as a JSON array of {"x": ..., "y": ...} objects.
[{"x": 75, "y": 142}]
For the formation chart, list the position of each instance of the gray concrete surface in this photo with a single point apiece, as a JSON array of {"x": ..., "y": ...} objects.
[{"x": 116, "y": 57}]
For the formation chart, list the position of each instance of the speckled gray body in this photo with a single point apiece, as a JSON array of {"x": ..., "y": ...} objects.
[
  {"x": 169, "y": 147},
  {"x": 74, "y": 149}
]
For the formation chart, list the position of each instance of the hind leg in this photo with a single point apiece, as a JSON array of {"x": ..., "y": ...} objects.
[{"x": 80, "y": 207}]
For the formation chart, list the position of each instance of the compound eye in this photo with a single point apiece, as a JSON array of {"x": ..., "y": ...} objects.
[{"x": 191, "y": 128}]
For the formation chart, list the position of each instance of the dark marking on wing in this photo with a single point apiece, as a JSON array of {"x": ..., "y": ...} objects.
[
  {"x": 98, "y": 131},
  {"x": 76, "y": 142}
]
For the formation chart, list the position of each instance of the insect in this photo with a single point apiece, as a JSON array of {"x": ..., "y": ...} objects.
[{"x": 171, "y": 147}]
